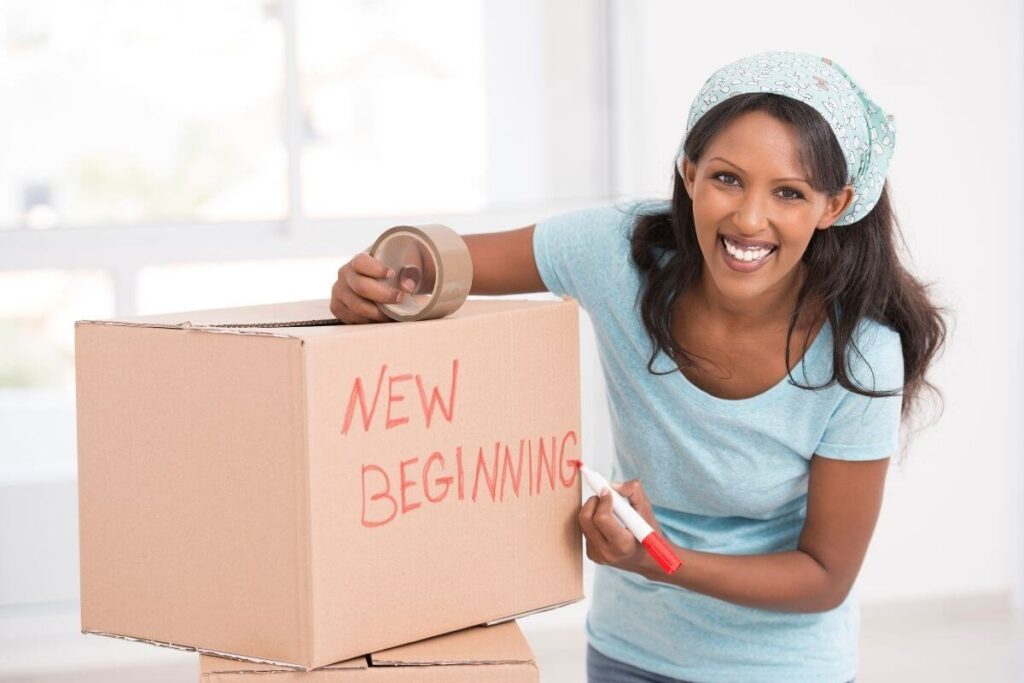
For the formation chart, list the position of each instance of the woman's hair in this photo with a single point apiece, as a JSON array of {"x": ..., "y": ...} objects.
[{"x": 854, "y": 270}]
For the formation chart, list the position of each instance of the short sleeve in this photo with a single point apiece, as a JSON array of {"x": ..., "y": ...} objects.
[
  {"x": 581, "y": 252},
  {"x": 862, "y": 427}
]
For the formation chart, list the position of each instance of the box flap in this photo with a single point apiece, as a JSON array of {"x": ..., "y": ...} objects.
[
  {"x": 209, "y": 665},
  {"x": 500, "y": 644},
  {"x": 297, "y": 318},
  {"x": 527, "y": 613},
  {"x": 291, "y": 314}
]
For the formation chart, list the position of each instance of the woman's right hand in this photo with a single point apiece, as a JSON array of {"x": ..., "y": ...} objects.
[{"x": 360, "y": 286}]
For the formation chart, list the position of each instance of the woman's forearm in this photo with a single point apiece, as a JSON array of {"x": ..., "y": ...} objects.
[{"x": 790, "y": 581}]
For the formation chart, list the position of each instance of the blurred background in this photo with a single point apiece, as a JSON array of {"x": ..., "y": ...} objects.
[{"x": 159, "y": 156}]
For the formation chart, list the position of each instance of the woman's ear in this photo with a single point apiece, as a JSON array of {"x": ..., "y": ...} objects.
[
  {"x": 689, "y": 174},
  {"x": 835, "y": 206}
]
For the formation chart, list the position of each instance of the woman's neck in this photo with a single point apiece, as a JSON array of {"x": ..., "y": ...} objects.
[{"x": 769, "y": 311}]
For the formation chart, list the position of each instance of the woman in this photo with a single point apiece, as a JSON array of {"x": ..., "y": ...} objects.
[{"x": 761, "y": 344}]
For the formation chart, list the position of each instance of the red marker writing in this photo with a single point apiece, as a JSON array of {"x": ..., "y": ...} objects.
[{"x": 650, "y": 539}]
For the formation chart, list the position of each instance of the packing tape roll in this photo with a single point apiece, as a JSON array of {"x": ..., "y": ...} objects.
[{"x": 436, "y": 258}]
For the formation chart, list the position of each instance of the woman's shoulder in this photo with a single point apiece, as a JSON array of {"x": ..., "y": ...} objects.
[
  {"x": 602, "y": 226},
  {"x": 874, "y": 355},
  {"x": 585, "y": 252}
]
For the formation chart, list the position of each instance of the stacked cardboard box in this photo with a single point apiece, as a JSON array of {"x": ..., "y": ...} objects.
[
  {"x": 498, "y": 654},
  {"x": 257, "y": 485}
]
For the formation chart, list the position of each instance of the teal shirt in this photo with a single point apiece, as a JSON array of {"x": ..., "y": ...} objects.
[{"x": 724, "y": 476}]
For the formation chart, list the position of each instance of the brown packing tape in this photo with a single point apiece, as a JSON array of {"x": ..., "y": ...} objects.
[{"x": 436, "y": 258}]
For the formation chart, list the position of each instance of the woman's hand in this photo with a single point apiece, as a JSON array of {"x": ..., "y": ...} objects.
[
  {"x": 610, "y": 543},
  {"x": 359, "y": 288}
]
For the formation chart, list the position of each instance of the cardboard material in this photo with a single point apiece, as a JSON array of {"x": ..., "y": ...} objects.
[
  {"x": 478, "y": 654},
  {"x": 303, "y": 495}
]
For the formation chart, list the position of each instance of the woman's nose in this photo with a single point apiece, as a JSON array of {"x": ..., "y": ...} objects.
[{"x": 752, "y": 214}]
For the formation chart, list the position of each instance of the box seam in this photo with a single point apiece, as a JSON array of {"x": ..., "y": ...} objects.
[
  {"x": 189, "y": 327},
  {"x": 303, "y": 516}
]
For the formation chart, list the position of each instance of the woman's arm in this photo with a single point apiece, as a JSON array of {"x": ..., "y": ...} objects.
[
  {"x": 503, "y": 262},
  {"x": 843, "y": 502}
]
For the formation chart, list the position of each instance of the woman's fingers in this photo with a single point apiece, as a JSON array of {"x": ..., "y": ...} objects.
[
  {"x": 596, "y": 542},
  {"x": 633, "y": 491},
  {"x": 360, "y": 286},
  {"x": 362, "y": 307},
  {"x": 364, "y": 264},
  {"x": 620, "y": 541},
  {"x": 371, "y": 289},
  {"x": 350, "y": 308},
  {"x": 339, "y": 308}
]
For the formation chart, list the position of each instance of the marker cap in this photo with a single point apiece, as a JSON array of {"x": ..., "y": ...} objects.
[{"x": 661, "y": 552}]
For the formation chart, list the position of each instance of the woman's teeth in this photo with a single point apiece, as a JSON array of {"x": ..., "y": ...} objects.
[{"x": 742, "y": 254}]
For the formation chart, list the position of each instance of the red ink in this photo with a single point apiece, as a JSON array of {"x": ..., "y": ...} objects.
[
  {"x": 492, "y": 478},
  {"x": 392, "y": 399},
  {"x": 545, "y": 464},
  {"x": 357, "y": 392},
  {"x": 462, "y": 474},
  {"x": 447, "y": 481},
  {"x": 507, "y": 470},
  {"x": 435, "y": 396},
  {"x": 573, "y": 470},
  {"x": 386, "y": 493},
  {"x": 431, "y": 479},
  {"x": 529, "y": 463},
  {"x": 428, "y": 404},
  {"x": 405, "y": 483}
]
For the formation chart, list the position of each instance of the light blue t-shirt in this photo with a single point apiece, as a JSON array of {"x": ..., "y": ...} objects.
[{"x": 724, "y": 476}]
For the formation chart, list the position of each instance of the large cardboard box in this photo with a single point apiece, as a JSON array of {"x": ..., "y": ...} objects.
[
  {"x": 303, "y": 495},
  {"x": 482, "y": 654}
]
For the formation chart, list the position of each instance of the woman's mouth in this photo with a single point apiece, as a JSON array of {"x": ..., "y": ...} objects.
[{"x": 742, "y": 259}]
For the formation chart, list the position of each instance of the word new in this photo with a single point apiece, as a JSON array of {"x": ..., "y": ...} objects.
[{"x": 429, "y": 401}]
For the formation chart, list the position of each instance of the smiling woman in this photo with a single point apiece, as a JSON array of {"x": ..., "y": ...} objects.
[{"x": 787, "y": 345}]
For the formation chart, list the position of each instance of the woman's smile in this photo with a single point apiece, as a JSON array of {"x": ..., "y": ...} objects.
[{"x": 744, "y": 260}]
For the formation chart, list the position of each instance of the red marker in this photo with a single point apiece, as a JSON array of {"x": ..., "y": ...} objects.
[{"x": 656, "y": 546}]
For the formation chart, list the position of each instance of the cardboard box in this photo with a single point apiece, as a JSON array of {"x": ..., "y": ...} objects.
[
  {"x": 490, "y": 654},
  {"x": 303, "y": 495}
]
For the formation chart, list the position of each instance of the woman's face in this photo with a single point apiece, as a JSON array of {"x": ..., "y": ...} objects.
[{"x": 754, "y": 211}]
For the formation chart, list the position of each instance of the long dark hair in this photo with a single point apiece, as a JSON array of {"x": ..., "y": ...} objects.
[{"x": 854, "y": 270}]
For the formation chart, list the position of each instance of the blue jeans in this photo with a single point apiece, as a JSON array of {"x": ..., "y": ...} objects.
[{"x": 601, "y": 669}]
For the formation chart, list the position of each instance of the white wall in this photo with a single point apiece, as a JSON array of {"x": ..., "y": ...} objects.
[
  {"x": 950, "y": 73},
  {"x": 951, "y": 521}
]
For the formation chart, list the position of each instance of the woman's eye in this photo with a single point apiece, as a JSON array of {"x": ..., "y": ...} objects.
[{"x": 727, "y": 179}]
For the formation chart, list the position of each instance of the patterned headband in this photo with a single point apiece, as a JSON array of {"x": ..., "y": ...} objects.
[{"x": 865, "y": 132}]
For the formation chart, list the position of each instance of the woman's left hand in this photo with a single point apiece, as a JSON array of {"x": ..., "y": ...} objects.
[{"x": 610, "y": 543}]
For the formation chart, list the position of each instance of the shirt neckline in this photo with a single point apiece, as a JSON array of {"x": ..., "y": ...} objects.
[{"x": 716, "y": 403}]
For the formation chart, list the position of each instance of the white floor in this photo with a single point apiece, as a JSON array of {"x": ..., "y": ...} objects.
[{"x": 966, "y": 639}]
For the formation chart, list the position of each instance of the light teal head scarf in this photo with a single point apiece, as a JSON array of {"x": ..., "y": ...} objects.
[{"x": 865, "y": 132}]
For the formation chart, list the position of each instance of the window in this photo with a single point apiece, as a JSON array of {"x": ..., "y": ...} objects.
[
  {"x": 38, "y": 309},
  {"x": 196, "y": 286},
  {"x": 393, "y": 103},
  {"x": 138, "y": 111}
]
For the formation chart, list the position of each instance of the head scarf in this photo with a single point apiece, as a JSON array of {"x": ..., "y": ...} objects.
[{"x": 865, "y": 132}]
